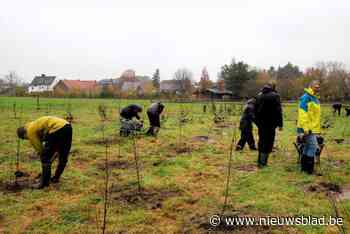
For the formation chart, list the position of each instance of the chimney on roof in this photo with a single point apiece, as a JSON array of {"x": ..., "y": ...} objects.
[{"x": 42, "y": 75}]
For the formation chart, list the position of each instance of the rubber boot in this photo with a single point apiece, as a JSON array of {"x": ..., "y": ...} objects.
[
  {"x": 150, "y": 131},
  {"x": 310, "y": 165},
  {"x": 307, "y": 164},
  {"x": 45, "y": 177},
  {"x": 59, "y": 170},
  {"x": 262, "y": 159},
  {"x": 239, "y": 148},
  {"x": 155, "y": 131},
  {"x": 303, "y": 163},
  {"x": 253, "y": 148}
]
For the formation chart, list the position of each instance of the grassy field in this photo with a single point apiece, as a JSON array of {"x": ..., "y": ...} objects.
[{"x": 183, "y": 173}]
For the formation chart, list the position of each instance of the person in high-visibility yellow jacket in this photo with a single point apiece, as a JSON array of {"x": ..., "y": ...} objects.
[
  {"x": 309, "y": 125},
  {"x": 49, "y": 135}
]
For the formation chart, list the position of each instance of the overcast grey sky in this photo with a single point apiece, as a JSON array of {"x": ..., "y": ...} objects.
[{"x": 82, "y": 39}]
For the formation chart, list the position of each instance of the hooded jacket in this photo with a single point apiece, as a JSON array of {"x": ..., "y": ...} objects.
[
  {"x": 268, "y": 109},
  {"x": 155, "y": 108},
  {"x": 38, "y": 130},
  {"x": 131, "y": 111},
  {"x": 309, "y": 113},
  {"x": 248, "y": 116}
]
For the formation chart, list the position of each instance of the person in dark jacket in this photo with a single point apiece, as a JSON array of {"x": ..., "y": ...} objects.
[
  {"x": 268, "y": 115},
  {"x": 153, "y": 113},
  {"x": 131, "y": 111},
  {"x": 337, "y": 108},
  {"x": 246, "y": 126},
  {"x": 128, "y": 125}
]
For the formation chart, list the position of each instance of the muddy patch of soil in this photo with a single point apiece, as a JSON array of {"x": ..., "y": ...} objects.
[
  {"x": 15, "y": 186},
  {"x": 151, "y": 198},
  {"x": 339, "y": 140},
  {"x": 345, "y": 195},
  {"x": 183, "y": 149},
  {"x": 203, "y": 139},
  {"x": 247, "y": 168},
  {"x": 224, "y": 125},
  {"x": 33, "y": 156},
  {"x": 324, "y": 187},
  {"x": 109, "y": 141},
  {"x": 337, "y": 163},
  {"x": 202, "y": 176},
  {"x": 203, "y": 224},
  {"x": 115, "y": 165}
]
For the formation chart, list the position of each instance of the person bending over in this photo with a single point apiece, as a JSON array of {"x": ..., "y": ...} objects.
[
  {"x": 153, "y": 113},
  {"x": 49, "y": 135}
]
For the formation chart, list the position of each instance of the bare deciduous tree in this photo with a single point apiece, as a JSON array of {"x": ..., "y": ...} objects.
[
  {"x": 13, "y": 81},
  {"x": 185, "y": 79}
]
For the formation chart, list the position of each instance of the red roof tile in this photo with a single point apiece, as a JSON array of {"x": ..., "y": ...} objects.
[{"x": 82, "y": 85}]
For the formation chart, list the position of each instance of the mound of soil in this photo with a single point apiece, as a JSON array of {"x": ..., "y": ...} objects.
[
  {"x": 115, "y": 165},
  {"x": 152, "y": 198},
  {"x": 224, "y": 125},
  {"x": 345, "y": 195},
  {"x": 324, "y": 187},
  {"x": 109, "y": 141},
  {"x": 339, "y": 140},
  {"x": 202, "y": 223},
  {"x": 247, "y": 168},
  {"x": 337, "y": 163},
  {"x": 15, "y": 186},
  {"x": 183, "y": 149},
  {"x": 33, "y": 156},
  {"x": 202, "y": 139}
]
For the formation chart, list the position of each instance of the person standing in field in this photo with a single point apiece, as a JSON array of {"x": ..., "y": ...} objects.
[
  {"x": 246, "y": 126},
  {"x": 153, "y": 113},
  {"x": 309, "y": 125},
  {"x": 49, "y": 135},
  {"x": 268, "y": 115}
]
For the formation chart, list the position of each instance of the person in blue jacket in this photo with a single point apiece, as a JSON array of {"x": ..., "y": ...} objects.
[{"x": 309, "y": 125}]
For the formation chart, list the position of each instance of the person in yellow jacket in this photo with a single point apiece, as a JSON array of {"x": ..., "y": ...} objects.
[
  {"x": 309, "y": 125},
  {"x": 49, "y": 135}
]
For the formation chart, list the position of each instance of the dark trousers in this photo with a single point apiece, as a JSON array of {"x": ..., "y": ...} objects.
[
  {"x": 154, "y": 121},
  {"x": 266, "y": 139},
  {"x": 337, "y": 110},
  {"x": 246, "y": 137},
  {"x": 307, "y": 164},
  {"x": 60, "y": 142},
  {"x": 347, "y": 112}
]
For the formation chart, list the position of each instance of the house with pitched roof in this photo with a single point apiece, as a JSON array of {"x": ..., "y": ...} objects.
[
  {"x": 42, "y": 83},
  {"x": 78, "y": 87}
]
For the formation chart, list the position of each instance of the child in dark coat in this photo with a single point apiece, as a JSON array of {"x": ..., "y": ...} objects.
[{"x": 246, "y": 126}]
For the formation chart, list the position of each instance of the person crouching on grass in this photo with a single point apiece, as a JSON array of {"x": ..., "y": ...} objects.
[
  {"x": 49, "y": 135},
  {"x": 153, "y": 113},
  {"x": 246, "y": 126},
  {"x": 309, "y": 125}
]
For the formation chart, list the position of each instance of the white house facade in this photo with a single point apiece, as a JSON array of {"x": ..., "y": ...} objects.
[{"x": 42, "y": 83}]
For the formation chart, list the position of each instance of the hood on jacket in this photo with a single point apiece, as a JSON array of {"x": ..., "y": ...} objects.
[
  {"x": 267, "y": 89},
  {"x": 311, "y": 92}
]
